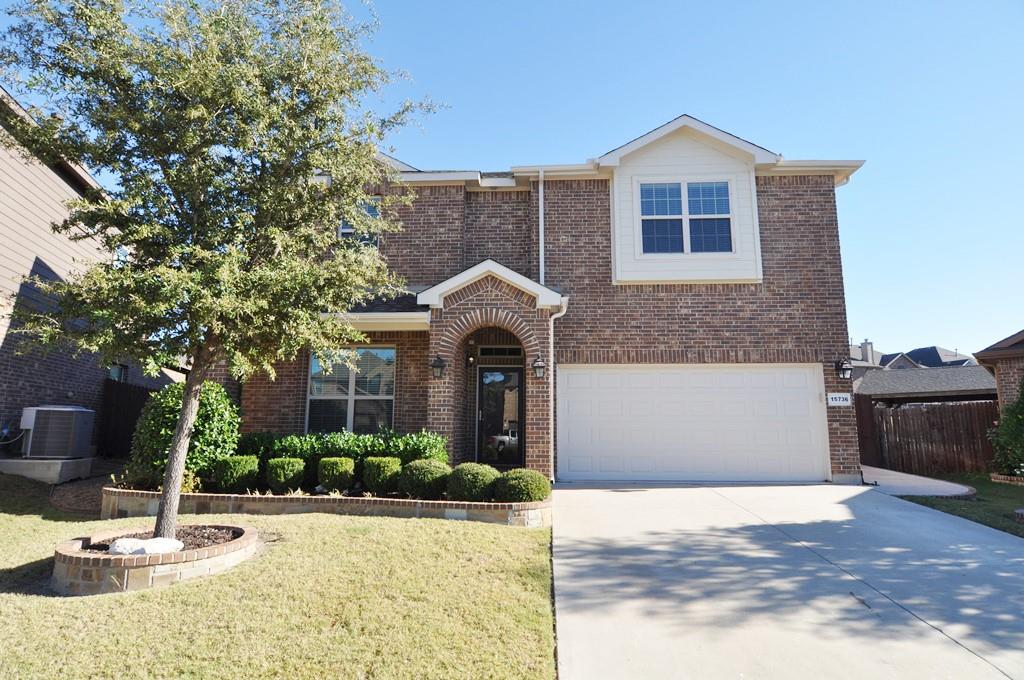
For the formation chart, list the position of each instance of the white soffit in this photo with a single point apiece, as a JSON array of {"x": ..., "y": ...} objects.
[
  {"x": 434, "y": 296},
  {"x": 388, "y": 321}
]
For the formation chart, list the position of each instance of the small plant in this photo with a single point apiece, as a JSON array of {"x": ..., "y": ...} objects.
[
  {"x": 472, "y": 482},
  {"x": 336, "y": 474},
  {"x": 236, "y": 474},
  {"x": 521, "y": 486},
  {"x": 425, "y": 478},
  {"x": 284, "y": 474},
  {"x": 380, "y": 474},
  {"x": 1008, "y": 438}
]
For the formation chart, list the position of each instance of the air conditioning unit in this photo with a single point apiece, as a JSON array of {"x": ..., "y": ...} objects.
[{"x": 56, "y": 432}]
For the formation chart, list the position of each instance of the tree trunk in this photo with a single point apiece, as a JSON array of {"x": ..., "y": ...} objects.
[{"x": 167, "y": 514}]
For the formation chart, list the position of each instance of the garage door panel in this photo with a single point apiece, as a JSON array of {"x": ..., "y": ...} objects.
[{"x": 716, "y": 422}]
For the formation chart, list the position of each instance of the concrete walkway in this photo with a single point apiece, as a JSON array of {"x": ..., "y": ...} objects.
[
  {"x": 903, "y": 484},
  {"x": 780, "y": 582}
]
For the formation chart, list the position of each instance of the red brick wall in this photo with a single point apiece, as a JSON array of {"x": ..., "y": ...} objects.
[
  {"x": 1009, "y": 373},
  {"x": 280, "y": 405},
  {"x": 499, "y": 226},
  {"x": 429, "y": 248}
]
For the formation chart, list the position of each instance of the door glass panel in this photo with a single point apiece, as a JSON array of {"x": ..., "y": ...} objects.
[{"x": 500, "y": 396}]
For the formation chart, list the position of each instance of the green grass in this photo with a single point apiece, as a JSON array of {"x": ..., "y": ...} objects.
[
  {"x": 993, "y": 506},
  {"x": 330, "y": 596}
]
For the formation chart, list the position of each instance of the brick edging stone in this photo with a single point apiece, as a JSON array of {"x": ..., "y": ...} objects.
[
  {"x": 1007, "y": 479},
  {"x": 134, "y": 503},
  {"x": 77, "y": 572}
]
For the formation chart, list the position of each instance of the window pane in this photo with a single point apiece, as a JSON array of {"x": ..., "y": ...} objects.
[
  {"x": 710, "y": 236},
  {"x": 708, "y": 198},
  {"x": 376, "y": 376},
  {"x": 322, "y": 384},
  {"x": 662, "y": 236},
  {"x": 371, "y": 415},
  {"x": 661, "y": 199},
  {"x": 328, "y": 415}
]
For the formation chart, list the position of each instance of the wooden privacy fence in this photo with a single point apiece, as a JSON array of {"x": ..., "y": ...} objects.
[
  {"x": 122, "y": 404},
  {"x": 926, "y": 439}
]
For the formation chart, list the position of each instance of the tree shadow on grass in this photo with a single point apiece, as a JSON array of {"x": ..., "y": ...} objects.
[
  {"x": 21, "y": 496},
  {"x": 31, "y": 578}
]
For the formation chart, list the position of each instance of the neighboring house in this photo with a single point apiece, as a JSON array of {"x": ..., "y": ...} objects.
[
  {"x": 33, "y": 196},
  {"x": 915, "y": 385},
  {"x": 927, "y": 357},
  {"x": 864, "y": 357},
  {"x": 670, "y": 310},
  {"x": 1006, "y": 360}
]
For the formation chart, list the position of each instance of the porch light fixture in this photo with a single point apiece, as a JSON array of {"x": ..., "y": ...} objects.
[
  {"x": 844, "y": 368},
  {"x": 538, "y": 367},
  {"x": 437, "y": 365}
]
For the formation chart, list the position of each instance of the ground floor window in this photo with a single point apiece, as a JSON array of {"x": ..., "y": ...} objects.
[{"x": 360, "y": 400}]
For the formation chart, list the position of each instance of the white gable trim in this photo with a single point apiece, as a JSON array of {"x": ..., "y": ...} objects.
[
  {"x": 759, "y": 154},
  {"x": 434, "y": 296}
]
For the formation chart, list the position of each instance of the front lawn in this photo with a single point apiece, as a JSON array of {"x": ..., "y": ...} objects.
[
  {"x": 993, "y": 506},
  {"x": 330, "y": 596}
]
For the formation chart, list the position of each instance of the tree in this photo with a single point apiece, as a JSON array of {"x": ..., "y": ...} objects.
[{"x": 235, "y": 138}]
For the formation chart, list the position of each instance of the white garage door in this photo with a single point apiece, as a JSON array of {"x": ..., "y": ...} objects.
[{"x": 744, "y": 422}]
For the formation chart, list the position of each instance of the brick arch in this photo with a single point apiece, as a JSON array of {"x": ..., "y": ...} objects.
[{"x": 461, "y": 327}]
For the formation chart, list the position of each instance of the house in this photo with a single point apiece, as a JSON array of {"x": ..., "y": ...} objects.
[
  {"x": 915, "y": 385},
  {"x": 1006, "y": 360},
  {"x": 670, "y": 310},
  {"x": 863, "y": 358},
  {"x": 927, "y": 357},
  {"x": 33, "y": 196}
]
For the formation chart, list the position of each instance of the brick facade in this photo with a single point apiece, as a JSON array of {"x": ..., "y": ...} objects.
[
  {"x": 1009, "y": 374},
  {"x": 797, "y": 314}
]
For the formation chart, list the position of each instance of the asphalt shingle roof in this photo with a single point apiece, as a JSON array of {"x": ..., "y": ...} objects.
[{"x": 924, "y": 381}]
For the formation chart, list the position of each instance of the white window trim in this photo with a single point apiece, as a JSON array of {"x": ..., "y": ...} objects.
[
  {"x": 351, "y": 397},
  {"x": 682, "y": 180},
  {"x": 345, "y": 229}
]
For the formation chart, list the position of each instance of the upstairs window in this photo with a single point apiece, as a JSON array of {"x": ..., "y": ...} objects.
[
  {"x": 346, "y": 230},
  {"x": 707, "y": 217},
  {"x": 711, "y": 232},
  {"x": 661, "y": 217}
]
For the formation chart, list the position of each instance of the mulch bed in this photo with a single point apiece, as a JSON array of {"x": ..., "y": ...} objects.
[{"x": 193, "y": 536}]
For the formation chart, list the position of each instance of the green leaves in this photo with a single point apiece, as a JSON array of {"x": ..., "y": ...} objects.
[{"x": 235, "y": 140}]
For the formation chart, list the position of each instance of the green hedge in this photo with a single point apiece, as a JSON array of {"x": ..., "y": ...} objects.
[
  {"x": 426, "y": 479},
  {"x": 472, "y": 482},
  {"x": 336, "y": 474},
  {"x": 214, "y": 436},
  {"x": 285, "y": 474},
  {"x": 380, "y": 474},
  {"x": 521, "y": 486},
  {"x": 236, "y": 474}
]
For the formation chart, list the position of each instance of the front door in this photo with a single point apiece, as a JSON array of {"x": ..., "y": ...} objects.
[{"x": 499, "y": 430}]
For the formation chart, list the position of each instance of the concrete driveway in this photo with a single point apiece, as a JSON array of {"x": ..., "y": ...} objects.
[{"x": 780, "y": 582}]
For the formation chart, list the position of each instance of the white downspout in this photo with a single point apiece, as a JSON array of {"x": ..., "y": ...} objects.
[
  {"x": 551, "y": 373},
  {"x": 540, "y": 224}
]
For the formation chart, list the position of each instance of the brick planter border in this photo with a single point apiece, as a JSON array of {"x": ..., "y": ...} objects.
[
  {"x": 1007, "y": 479},
  {"x": 131, "y": 503},
  {"x": 76, "y": 572}
]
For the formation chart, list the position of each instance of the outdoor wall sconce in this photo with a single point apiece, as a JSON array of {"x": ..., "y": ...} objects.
[
  {"x": 844, "y": 368},
  {"x": 470, "y": 361},
  {"x": 538, "y": 367},
  {"x": 437, "y": 365}
]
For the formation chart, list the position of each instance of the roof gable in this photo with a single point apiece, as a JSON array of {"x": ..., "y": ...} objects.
[
  {"x": 758, "y": 153},
  {"x": 434, "y": 296}
]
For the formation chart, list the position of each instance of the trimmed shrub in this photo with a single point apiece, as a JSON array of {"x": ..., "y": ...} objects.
[
  {"x": 306, "y": 447},
  {"x": 419, "y": 446},
  {"x": 214, "y": 436},
  {"x": 472, "y": 482},
  {"x": 259, "y": 444},
  {"x": 521, "y": 486},
  {"x": 380, "y": 474},
  {"x": 284, "y": 474},
  {"x": 336, "y": 474},
  {"x": 425, "y": 478},
  {"x": 1008, "y": 438},
  {"x": 236, "y": 474}
]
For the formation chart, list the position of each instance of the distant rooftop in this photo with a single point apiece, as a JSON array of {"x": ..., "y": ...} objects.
[{"x": 943, "y": 381}]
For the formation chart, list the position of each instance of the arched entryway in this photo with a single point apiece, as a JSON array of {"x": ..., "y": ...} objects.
[{"x": 491, "y": 429}]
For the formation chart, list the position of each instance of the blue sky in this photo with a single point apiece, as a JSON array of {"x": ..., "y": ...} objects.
[{"x": 930, "y": 94}]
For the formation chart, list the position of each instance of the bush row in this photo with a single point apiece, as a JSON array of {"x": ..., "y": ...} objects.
[{"x": 426, "y": 478}]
